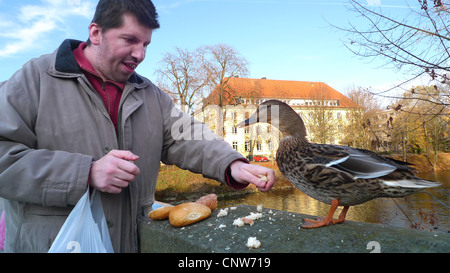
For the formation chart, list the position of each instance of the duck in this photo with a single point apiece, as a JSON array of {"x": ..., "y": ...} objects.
[{"x": 340, "y": 176}]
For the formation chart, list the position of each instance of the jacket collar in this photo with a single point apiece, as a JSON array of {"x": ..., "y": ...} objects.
[{"x": 66, "y": 63}]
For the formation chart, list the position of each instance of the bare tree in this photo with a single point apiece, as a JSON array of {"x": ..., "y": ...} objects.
[
  {"x": 181, "y": 76},
  {"x": 417, "y": 44},
  {"x": 221, "y": 62},
  {"x": 421, "y": 125},
  {"x": 321, "y": 123},
  {"x": 362, "y": 129}
]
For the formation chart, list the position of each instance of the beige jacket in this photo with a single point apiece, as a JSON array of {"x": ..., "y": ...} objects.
[{"x": 53, "y": 124}]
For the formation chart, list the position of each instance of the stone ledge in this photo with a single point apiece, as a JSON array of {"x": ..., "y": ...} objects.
[{"x": 280, "y": 232}]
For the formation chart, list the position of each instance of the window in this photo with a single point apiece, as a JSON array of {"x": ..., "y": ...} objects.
[
  {"x": 247, "y": 145},
  {"x": 270, "y": 144},
  {"x": 235, "y": 145},
  {"x": 259, "y": 145},
  {"x": 234, "y": 130},
  {"x": 233, "y": 116},
  {"x": 247, "y": 128}
]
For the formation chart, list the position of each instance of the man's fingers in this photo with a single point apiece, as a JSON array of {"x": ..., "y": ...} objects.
[
  {"x": 126, "y": 164},
  {"x": 129, "y": 168},
  {"x": 263, "y": 178},
  {"x": 125, "y": 155},
  {"x": 122, "y": 176},
  {"x": 114, "y": 171},
  {"x": 269, "y": 179}
]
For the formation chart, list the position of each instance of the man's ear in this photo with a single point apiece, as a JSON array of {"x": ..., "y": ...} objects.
[{"x": 95, "y": 33}]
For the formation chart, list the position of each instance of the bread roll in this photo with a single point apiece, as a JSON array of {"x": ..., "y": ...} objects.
[
  {"x": 208, "y": 200},
  {"x": 160, "y": 213},
  {"x": 188, "y": 213}
]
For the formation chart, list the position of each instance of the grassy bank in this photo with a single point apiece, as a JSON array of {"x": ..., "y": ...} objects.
[{"x": 176, "y": 184}]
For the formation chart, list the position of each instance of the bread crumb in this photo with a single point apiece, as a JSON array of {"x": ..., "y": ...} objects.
[
  {"x": 259, "y": 208},
  {"x": 263, "y": 177},
  {"x": 254, "y": 216},
  {"x": 247, "y": 221},
  {"x": 252, "y": 242},
  {"x": 223, "y": 212},
  {"x": 238, "y": 222}
]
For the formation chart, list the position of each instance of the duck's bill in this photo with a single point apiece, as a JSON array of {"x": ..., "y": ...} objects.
[
  {"x": 243, "y": 124},
  {"x": 252, "y": 120}
]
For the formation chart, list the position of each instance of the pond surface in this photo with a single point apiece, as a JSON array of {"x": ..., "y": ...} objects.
[{"x": 418, "y": 211}]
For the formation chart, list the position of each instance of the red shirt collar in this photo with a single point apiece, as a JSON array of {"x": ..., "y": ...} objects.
[{"x": 85, "y": 65}]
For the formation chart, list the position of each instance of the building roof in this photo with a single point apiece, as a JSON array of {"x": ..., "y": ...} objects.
[{"x": 276, "y": 89}]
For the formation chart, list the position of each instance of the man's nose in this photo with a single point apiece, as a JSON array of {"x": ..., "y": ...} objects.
[{"x": 139, "y": 52}]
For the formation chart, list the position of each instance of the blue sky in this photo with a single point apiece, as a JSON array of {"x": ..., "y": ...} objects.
[{"x": 281, "y": 39}]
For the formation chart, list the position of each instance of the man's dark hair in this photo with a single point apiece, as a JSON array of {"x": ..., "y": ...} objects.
[{"x": 109, "y": 13}]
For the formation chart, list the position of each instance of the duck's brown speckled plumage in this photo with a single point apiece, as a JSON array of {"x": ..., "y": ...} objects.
[
  {"x": 304, "y": 164},
  {"x": 337, "y": 175}
]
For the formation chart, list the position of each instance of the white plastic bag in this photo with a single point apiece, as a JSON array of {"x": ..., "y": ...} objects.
[{"x": 85, "y": 229}]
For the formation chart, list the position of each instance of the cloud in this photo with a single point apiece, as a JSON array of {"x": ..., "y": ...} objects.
[
  {"x": 374, "y": 3},
  {"x": 37, "y": 21}
]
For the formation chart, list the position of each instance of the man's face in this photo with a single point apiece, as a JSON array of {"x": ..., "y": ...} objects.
[{"x": 121, "y": 50}]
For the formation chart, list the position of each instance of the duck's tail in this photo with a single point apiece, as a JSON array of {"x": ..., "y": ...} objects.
[{"x": 412, "y": 183}]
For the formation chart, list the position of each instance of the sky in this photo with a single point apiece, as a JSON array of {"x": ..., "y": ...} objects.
[{"x": 281, "y": 39}]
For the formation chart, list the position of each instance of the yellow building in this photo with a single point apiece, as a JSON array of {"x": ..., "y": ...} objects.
[{"x": 324, "y": 110}]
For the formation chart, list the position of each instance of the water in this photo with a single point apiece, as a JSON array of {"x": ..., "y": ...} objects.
[{"x": 418, "y": 211}]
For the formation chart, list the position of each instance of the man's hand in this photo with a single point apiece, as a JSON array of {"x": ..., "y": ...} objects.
[
  {"x": 114, "y": 171},
  {"x": 263, "y": 178}
]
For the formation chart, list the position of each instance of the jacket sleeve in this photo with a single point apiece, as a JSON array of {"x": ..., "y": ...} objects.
[
  {"x": 27, "y": 173},
  {"x": 191, "y": 145}
]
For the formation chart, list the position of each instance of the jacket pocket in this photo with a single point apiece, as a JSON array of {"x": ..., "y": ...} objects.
[
  {"x": 38, "y": 232},
  {"x": 39, "y": 227},
  {"x": 32, "y": 209}
]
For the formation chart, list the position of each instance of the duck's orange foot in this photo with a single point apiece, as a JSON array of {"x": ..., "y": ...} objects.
[
  {"x": 321, "y": 222},
  {"x": 310, "y": 223}
]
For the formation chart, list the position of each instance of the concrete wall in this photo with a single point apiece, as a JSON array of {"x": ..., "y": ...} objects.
[{"x": 280, "y": 231}]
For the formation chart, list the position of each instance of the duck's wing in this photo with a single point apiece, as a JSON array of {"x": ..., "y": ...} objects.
[
  {"x": 359, "y": 163},
  {"x": 326, "y": 154}
]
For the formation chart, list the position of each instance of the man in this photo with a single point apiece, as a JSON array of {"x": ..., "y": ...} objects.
[{"x": 82, "y": 117}]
